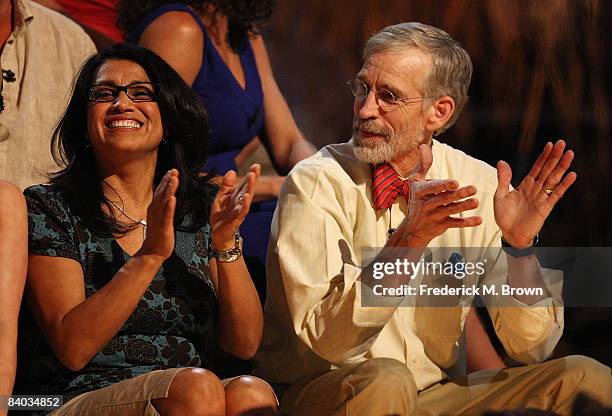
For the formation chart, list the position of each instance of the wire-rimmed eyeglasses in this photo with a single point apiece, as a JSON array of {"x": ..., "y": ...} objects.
[{"x": 384, "y": 98}]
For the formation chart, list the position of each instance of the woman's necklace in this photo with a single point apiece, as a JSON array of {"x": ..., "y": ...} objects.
[{"x": 141, "y": 221}]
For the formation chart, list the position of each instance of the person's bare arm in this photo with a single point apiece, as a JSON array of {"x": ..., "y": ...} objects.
[
  {"x": 77, "y": 327},
  {"x": 177, "y": 38},
  {"x": 13, "y": 257},
  {"x": 240, "y": 315},
  {"x": 480, "y": 353},
  {"x": 283, "y": 139}
]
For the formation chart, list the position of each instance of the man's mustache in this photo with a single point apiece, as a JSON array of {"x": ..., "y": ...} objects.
[{"x": 370, "y": 126}]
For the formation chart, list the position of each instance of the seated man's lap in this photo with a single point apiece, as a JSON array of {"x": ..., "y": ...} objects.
[
  {"x": 551, "y": 385},
  {"x": 356, "y": 387},
  {"x": 377, "y": 383}
]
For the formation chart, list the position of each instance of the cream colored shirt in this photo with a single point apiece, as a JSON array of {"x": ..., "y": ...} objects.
[
  {"x": 314, "y": 319},
  {"x": 45, "y": 52}
]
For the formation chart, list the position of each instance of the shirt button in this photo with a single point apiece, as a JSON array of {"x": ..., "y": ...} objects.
[{"x": 10, "y": 41}]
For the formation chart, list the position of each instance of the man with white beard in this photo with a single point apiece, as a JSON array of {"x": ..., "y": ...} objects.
[{"x": 394, "y": 186}]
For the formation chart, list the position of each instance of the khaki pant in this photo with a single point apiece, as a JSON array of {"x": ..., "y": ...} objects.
[
  {"x": 131, "y": 397},
  {"x": 382, "y": 387}
]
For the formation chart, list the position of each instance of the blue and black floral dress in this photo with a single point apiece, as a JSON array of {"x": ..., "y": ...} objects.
[{"x": 172, "y": 326}]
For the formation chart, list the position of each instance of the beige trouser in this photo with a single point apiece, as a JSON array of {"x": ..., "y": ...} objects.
[
  {"x": 382, "y": 387},
  {"x": 131, "y": 397}
]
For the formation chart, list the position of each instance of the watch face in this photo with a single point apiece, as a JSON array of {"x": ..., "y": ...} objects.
[{"x": 232, "y": 254}]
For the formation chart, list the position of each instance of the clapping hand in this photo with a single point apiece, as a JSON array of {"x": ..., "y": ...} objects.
[
  {"x": 432, "y": 204},
  {"x": 231, "y": 206},
  {"x": 160, "y": 218},
  {"x": 520, "y": 213}
]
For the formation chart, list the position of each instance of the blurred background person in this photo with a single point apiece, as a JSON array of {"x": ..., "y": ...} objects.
[
  {"x": 97, "y": 17},
  {"x": 41, "y": 52}
]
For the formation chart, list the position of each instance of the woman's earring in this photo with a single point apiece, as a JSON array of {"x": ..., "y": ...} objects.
[{"x": 164, "y": 141}]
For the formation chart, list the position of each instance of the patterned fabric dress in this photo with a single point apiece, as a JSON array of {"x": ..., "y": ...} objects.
[{"x": 172, "y": 326}]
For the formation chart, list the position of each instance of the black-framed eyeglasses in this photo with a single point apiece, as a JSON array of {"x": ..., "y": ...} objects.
[
  {"x": 137, "y": 92},
  {"x": 384, "y": 98}
]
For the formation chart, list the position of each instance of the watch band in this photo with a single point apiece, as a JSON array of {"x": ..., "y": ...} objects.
[
  {"x": 231, "y": 255},
  {"x": 521, "y": 252}
]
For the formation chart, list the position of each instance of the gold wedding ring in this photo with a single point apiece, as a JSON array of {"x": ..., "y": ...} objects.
[{"x": 548, "y": 191}]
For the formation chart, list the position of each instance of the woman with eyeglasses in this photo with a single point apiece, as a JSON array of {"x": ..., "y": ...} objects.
[
  {"x": 135, "y": 271},
  {"x": 216, "y": 48}
]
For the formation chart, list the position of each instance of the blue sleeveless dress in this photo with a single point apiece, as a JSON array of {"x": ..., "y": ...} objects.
[{"x": 236, "y": 116}]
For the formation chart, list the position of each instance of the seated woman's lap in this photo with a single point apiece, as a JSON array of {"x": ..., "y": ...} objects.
[
  {"x": 131, "y": 396},
  {"x": 144, "y": 394}
]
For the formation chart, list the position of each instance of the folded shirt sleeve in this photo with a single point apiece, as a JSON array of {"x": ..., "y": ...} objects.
[{"x": 529, "y": 333}]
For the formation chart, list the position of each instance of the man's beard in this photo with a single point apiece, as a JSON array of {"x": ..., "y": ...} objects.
[{"x": 375, "y": 151}]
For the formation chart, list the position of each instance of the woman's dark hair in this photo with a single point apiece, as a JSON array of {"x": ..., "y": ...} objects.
[
  {"x": 186, "y": 133},
  {"x": 241, "y": 14}
]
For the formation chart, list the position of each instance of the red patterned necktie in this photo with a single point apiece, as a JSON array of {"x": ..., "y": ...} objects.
[{"x": 387, "y": 186}]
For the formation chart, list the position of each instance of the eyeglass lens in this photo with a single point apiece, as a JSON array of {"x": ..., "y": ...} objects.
[
  {"x": 360, "y": 90},
  {"x": 136, "y": 92}
]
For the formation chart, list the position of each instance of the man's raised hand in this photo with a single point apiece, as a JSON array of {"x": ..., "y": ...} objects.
[{"x": 520, "y": 213}]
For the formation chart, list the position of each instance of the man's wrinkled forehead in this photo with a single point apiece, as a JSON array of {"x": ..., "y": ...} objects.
[{"x": 410, "y": 65}]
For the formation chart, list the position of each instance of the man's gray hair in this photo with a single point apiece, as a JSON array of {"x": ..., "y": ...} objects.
[{"x": 451, "y": 68}]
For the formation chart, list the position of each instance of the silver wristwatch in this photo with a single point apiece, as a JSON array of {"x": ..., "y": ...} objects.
[{"x": 231, "y": 255}]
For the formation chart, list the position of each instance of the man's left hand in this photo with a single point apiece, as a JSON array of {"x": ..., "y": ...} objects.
[{"x": 520, "y": 213}]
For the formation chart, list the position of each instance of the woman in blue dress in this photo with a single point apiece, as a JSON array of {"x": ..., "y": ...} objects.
[{"x": 216, "y": 49}]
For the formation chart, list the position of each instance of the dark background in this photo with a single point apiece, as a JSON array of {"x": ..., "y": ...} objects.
[{"x": 541, "y": 72}]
